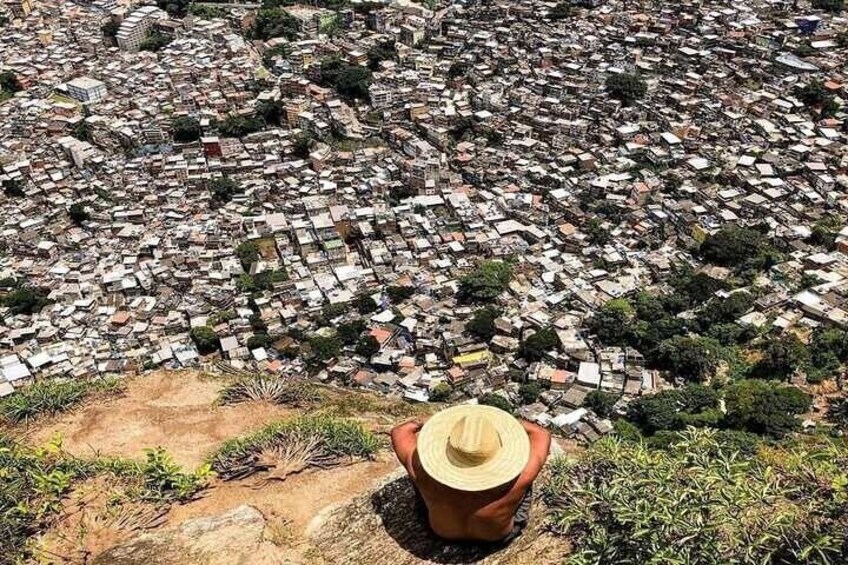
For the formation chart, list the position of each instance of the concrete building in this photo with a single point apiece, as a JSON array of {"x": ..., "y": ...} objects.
[
  {"x": 136, "y": 27},
  {"x": 87, "y": 89}
]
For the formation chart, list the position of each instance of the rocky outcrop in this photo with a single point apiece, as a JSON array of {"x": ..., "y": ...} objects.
[
  {"x": 385, "y": 527},
  {"x": 237, "y": 537}
]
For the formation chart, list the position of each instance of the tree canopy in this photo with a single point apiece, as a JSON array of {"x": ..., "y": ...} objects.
[
  {"x": 274, "y": 22},
  {"x": 496, "y": 400},
  {"x": 205, "y": 339},
  {"x": 534, "y": 347},
  {"x": 25, "y": 300},
  {"x": 626, "y": 87},
  {"x": 78, "y": 213},
  {"x": 689, "y": 358},
  {"x": 186, "y": 129},
  {"x": 738, "y": 247},
  {"x": 350, "y": 81},
  {"x": 367, "y": 345},
  {"x": 482, "y": 323},
  {"x": 223, "y": 189},
  {"x": 764, "y": 407},
  {"x": 486, "y": 282}
]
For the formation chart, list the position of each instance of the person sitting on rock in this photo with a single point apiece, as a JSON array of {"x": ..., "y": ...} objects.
[{"x": 473, "y": 467}]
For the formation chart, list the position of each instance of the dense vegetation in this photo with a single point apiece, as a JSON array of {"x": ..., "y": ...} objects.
[
  {"x": 350, "y": 81},
  {"x": 186, "y": 129},
  {"x": 702, "y": 501},
  {"x": 486, "y": 282},
  {"x": 626, "y": 87}
]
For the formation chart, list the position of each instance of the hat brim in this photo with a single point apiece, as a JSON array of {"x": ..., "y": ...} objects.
[{"x": 432, "y": 446}]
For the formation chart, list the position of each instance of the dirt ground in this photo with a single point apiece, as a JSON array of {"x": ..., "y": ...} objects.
[
  {"x": 175, "y": 410},
  {"x": 291, "y": 504}
]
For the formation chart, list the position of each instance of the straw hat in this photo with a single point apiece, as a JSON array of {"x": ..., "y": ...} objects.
[{"x": 473, "y": 447}]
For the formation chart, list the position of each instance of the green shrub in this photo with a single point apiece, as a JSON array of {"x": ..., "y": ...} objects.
[
  {"x": 496, "y": 400},
  {"x": 270, "y": 389},
  {"x": 315, "y": 441},
  {"x": 697, "y": 503},
  {"x": 48, "y": 398},
  {"x": 441, "y": 393}
]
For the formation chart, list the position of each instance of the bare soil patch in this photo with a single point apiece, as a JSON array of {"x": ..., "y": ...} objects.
[
  {"x": 175, "y": 410},
  {"x": 288, "y": 505}
]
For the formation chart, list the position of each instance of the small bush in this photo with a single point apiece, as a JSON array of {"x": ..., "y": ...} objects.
[
  {"x": 496, "y": 400},
  {"x": 330, "y": 441},
  {"x": 48, "y": 398},
  {"x": 296, "y": 392}
]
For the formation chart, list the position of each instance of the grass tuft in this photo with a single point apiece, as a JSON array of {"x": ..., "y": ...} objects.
[
  {"x": 295, "y": 392},
  {"x": 48, "y": 398},
  {"x": 314, "y": 441}
]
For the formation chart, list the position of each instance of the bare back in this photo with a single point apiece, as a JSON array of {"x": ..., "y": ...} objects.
[{"x": 457, "y": 515}]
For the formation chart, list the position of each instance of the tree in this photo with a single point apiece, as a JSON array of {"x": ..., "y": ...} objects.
[
  {"x": 367, "y": 346},
  {"x": 691, "y": 405},
  {"x": 382, "y": 51},
  {"x": 9, "y": 82},
  {"x": 812, "y": 94},
  {"x": 259, "y": 340},
  {"x": 205, "y": 339},
  {"x": 458, "y": 69},
  {"x": 832, "y": 6},
  {"x": 25, "y": 300},
  {"x": 482, "y": 324},
  {"x": 837, "y": 412},
  {"x": 349, "y": 332},
  {"x": 350, "y": 81},
  {"x": 325, "y": 348},
  {"x": 78, "y": 213},
  {"x": 280, "y": 51},
  {"x": 248, "y": 253},
  {"x": 537, "y": 345},
  {"x": 399, "y": 293},
  {"x": 109, "y": 29},
  {"x": 441, "y": 392},
  {"x": 598, "y": 235},
  {"x": 486, "y": 282},
  {"x": 185, "y": 129},
  {"x": 223, "y": 189},
  {"x": 764, "y": 407},
  {"x": 270, "y": 111},
  {"x": 364, "y": 304},
  {"x": 734, "y": 246},
  {"x": 496, "y": 400},
  {"x": 175, "y": 8},
  {"x": 154, "y": 42},
  {"x": 724, "y": 310},
  {"x": 781, "y": 357},
  {"x": 688, "y": 358},
  {"x": 301, "y": 146},
  {"x": 561, "y": 11},
  {"x": 825, "y": 230},
  {"x": 13, "y": 188},
  {"x": 611, "y": 323},
  {"x": 626, "y": 87},
  {"x": 529, "y": 392},
  {"x": 274, "y": 22},
  {"x": 239, "y": 126},
  {"x": 601, "y": 402}
]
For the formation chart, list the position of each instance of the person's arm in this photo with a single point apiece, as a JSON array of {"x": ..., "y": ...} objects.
[
  {"x": 540, "y": 445},
  {"x": 404, "y": 440}
]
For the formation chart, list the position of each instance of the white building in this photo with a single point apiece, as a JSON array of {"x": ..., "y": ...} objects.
[
  {"x": 86, "y": 89},
  {"x": 136, "y": 27}
]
